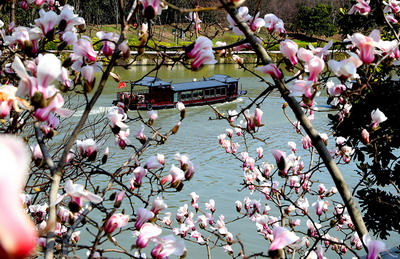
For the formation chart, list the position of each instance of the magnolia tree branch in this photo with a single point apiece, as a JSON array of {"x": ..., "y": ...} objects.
[
  {"x": 332, "y": 167},
  {"x": 59, "y": 170}
]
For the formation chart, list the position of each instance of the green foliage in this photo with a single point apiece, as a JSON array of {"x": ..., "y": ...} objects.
[{"x": 316, "y": 20}]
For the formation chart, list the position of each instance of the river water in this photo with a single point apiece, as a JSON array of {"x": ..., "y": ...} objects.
[{"x": 219, "y": 175}]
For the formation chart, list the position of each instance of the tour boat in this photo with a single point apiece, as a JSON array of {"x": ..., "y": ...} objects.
[{"x": 153, "y": 93}]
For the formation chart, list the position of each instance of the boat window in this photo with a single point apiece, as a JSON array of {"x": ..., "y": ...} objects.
[
  {"x": 197, "y": 94},
  {"x": 209, "y": 92},
  {"x": 186, "y": 96},
  {"x": 221, "y": 91}
]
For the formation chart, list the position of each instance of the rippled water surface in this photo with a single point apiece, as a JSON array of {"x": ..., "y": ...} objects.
[{"x": 218, "y": 175}]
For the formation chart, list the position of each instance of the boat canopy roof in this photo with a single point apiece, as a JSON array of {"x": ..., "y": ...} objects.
[
  {"x": 223, "y": 78},
  {"x": 151, "y": 81},
  {"x": 187, "y": 86},
  {"x": 210, "y": 82}
]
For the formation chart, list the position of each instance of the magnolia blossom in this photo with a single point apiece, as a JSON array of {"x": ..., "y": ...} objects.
[
  {"x": 315, "y": 66},
  {"x": 154, "y": 162},
  {"x": 375, "y": 247},
  {"x": 377, "y": 117},
  {"x": 116, "y": 221},
  {"x": 274, "y": 24},
  {"x": 202, "y": 52},
  {"x": 289, "y": 49},
  {"x": 166, "y": 246},
  {"x": 366, "y": 45},
  {"x": 320, "y": 206},
  {"x": 147, "y": 232},
  {"x": 17, "y": 232},
  {"x": 116, "y": 117},
  {"x": 281, "y": 238},
  {"x": 361, "y": 7},
  {"x": 271, "y": 69},
  {"x": 152, "y": 8},
  {"x": 158, "y": 205},
  {"x": 321, "y": 52},
  {"x": 50, "y": 100},
  {"x": 391, "y": 6},
  {"x": 109, "y": 39},
  {"x": 281, "y": 160},
  {"x": 143, "y": 215},
  {"x": 87, "y": 147},
  {"x": 346, "y": 68},
  {"x": 137, "y": 179},
  {"x": 78, "y": 194},
  {"x": 9, "y": 100},
  {"x": 365, "y": 136},
  {"x": 122, "y": 139},
  {"x": 47, "y": 21}
]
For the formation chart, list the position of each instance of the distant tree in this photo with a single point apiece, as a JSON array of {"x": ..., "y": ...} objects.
[{"x": 316, "y": 20}]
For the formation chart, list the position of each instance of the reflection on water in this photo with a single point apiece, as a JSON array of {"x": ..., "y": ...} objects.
[{"x": 218, "y": 175}]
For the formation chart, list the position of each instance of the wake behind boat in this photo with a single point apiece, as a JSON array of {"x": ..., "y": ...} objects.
[{"x": 153, "y": 93}]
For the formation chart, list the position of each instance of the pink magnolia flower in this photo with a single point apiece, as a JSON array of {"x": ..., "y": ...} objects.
[
  {"x": 320, "y": 206},
  {"x": 315, "y": 66},
  {"x": 366, "y": 45},
  {"x": 18, "y": 235},
  {"x": 374, "y": 247},
  {"x": 48, "y": 69},
  {"x": 289, "y": 49},
  {"x": 361, "y": 7},
  {"x": 143, "y": 215},
  {"x": 140, "y": 134},
  {"x": 153, "y": 162},
  {"x": 158, "y": 205},
  {"x": 78, "y": 194},
  {"x": 122, "y": 139},
  {"x": 152, "y": 8},
  {"x": 377, "y": 117},
  {"x": 137, "y": 179},
  {"x": 84, "y": 48},
  {"x": 147, "y": 232},
  {"x": 321, "y": 52},
  {"x": 274, "y": 24},
  {"x": 8, "y": 100},
  {"x": 306, "y": 141},
  {"x": 281, "y": 238},
  {"x": 346, "y": 68},
  {"x": 365, "y": 136},
  {"x": 292, "y": 145},
  {"x": 117, "y": 220},
  {"x": 210, "y": 206},
  {"x": 87, "y": 148},
  {"x": 260, "y": 151},
  {"x": 68, "y": 19},
  {"x": 116, "y": 117},
  {"x": 109, "y": 39},
  {"x": 175, "y": 177},
  {"x": 202, "y": 52},
  {"x": 391, "y": 18},
  {"x": 166, "y": 246},
  {"x": 220, "y": 226},
  {"x": 391, "y": 6},
  {"x": 271, "y": 69},
  {"x": 47, "y": 21},
  {"x": 335, "y": 90},
  {"x": 305, "y": 90},
  {"x": 25, "y": 37},
  {"x": 281, "y": 160}
]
